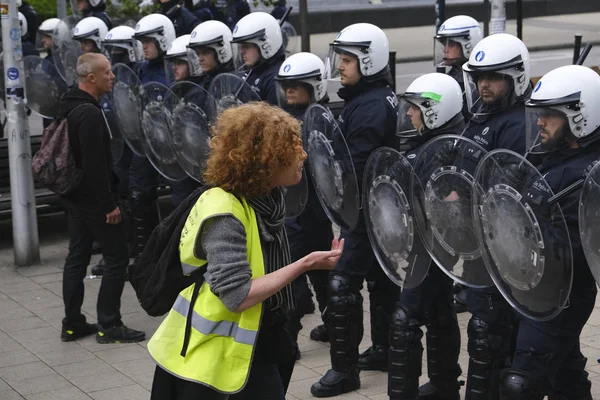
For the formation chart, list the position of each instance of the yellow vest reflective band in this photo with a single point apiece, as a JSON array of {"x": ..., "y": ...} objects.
[{"x": 222, "y": 342}]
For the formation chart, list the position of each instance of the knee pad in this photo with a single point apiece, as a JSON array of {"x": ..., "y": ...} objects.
[
  {"x": 382, "y": 297},
  {"x": 519, "y": 385},
  {"x": 443, "y": 349},
  {"x": 485, "y": 346}
]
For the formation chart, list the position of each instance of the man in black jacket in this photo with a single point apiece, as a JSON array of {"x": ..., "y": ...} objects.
[{"x": 92, "y": 210}]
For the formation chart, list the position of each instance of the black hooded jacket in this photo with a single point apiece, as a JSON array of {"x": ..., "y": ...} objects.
[{"x": 89, "y": 138}]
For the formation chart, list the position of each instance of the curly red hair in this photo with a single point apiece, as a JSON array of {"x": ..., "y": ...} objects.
[{"x": 250, "y": 144}]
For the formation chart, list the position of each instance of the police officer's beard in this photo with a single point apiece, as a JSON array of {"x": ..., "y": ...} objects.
[{"x": 563, "y": 138}]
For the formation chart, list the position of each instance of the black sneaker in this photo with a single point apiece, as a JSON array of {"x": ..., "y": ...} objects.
[
  {"x": 98, "y": 269},
  {"x": 68, "y": 334},
  {"x": 119, "y": 334}
]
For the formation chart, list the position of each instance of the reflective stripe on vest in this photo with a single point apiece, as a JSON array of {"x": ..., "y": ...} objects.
[
  {"x": 221, "y": 328},
  {"x": 188, "y": 269}
]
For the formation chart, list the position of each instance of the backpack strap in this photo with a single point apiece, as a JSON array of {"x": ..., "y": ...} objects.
[{"x": 199, "y": 278}]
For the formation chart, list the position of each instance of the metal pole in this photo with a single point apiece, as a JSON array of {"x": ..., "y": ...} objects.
[
  {"x": 486, "y": 20},
  {"x": 440, "y": 17},
  {"x": 305, "y": 35},
  {"x": 61, "y": 8},
  {"x": 26, "y": 246},
  {"x": 498, "y": 17},
  {"x": 520, "y": 19}
]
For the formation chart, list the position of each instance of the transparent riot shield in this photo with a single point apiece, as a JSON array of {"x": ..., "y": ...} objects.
[
  {"x": 389, "y": 217},
  {"x": 331, "y": 167},
  {"x": 441, "y": 199},
  {"x": 524, "y": 238},
  {"x": 226, "y": 91},
  {"x": 43, "y": 86},
  {"x": 157, "y": 102},
  {"x": 589, "y": 220},
  {"x": 126, "y": 102},
  {"x": 65, "y": 50},
  {"x": 190, "y": 128}
]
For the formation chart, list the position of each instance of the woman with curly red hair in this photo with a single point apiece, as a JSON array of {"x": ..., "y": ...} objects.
[{"x": 225, "y": 337}]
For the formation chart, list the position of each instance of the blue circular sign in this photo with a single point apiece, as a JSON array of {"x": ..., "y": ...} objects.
[
  {"x": 480, "y": 56},
  {"x": 15, "y": 33},
  {"x": 12, "y": 73},
  {"x": 538, "y": 86},
  {"x": 287, "y": 68}
]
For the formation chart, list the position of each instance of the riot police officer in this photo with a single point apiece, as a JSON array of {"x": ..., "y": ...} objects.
[
  {"x": 301, "y": 82},
  {"x": 454, "y": 43},
  {"x": 183, "y": 19},
  {"x": 95, "y": 8},
  {"x": 28, "y": 46},
  {"x": 211, "y": 44},
  {"x": 562, "y": 128},
  {"x": 230, "y": 12},
  {"x": 156, "y": 32},
  {"x": 45, "y": 36},
  {"x": 261, "y": 52},
  {"x": 431, "y": 106},
  {"x": 121, "y": 47},
  {"x": 359, "y": 56},
  {"x": 90, "y": 32},
  {"x": 497, "y": 84},
  {"x": 31, "y": 16}
]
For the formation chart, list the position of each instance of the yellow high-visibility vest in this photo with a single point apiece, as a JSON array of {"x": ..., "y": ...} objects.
[{"x": 222, "y": 342}]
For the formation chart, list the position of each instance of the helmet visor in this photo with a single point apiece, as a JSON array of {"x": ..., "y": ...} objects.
[
  {"x": 246, "y": 56},
  {"x": 448, "y": 50},
  {"x": 488, "y": 92},
  {"x": 410, "y": 118},
  {"x": 293, "y": 96},
  {"x": 547, "y": 129},
  {"x": 118, "y": 53},
  {"x": 177, "y": 69}
]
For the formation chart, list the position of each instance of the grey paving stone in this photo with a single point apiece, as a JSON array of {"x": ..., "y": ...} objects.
[
  {"x": 4, "y": 386},
  {"x": 36, "y": 334},
  {"x": 40, "y": 384},
  {"x": 9, "y": 344},
  {"x": 71, "y": 393},
  {"x": 65, "y": 356},
  {"x": 133, "y": 392},
  {"x": 38, "y": 299},
  {"x": 50, "y": 278},
  {"x": 84, "y": 368},
  {"x": 22, "y": 324},
  {"x": 25, "y": 371},
  {"x": 39, "y": 270},
  {"x": 135, "y": 368},
  {"x": 51, "y": 342},
  {"x": 113, "y": 356},
  {"x": 10, "y": 310},
  {"x": 17, "y": 357},
  {"x": 10, "y": 395},
  {"x": 17, "y": 287},
  {"x": 95, "y": 383}
]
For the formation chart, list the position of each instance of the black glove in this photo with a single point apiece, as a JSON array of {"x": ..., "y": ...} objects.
[{"x": 446, "y": 154}]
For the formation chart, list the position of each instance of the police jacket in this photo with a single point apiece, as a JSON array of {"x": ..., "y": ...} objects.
[
  {"x": 183, "y": 19},
  {"x": 230, "y": 11},
  {"x": 29, "y": 49},
  {"x": 262, "y": 78},
  {"x": 152, "y": 71},
  {"x": 99, "y": 12},
  {"x": 202, "y": 11},
  {"x": 89, "y": 139},
  {"x": 500, "y": 130},
  {"x": 368, "y": 120},
  {"x": 32, "y": 21}
]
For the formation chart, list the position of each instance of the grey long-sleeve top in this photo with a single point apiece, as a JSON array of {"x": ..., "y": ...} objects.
[{"x": 223, "y": 244}]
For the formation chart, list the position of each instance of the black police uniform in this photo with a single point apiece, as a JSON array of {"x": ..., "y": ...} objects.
[
  {"x": 262, "y": 78},
  {"x": 548, "y": 359},
  {"x": 490, "y": 327},
  {"x": 31, "y": 17},
  {"x": 430, "y": 304},
  {"x": 368, "y": 121},
  {"x": 184, "y": 21},
  {"x": 230, "y": 11}
]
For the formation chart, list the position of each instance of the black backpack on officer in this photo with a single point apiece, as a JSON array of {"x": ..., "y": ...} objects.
[{"x": 156, "y": 275}]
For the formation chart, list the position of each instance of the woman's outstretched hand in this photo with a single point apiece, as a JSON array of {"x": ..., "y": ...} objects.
[{"x": 326, "y": 260}]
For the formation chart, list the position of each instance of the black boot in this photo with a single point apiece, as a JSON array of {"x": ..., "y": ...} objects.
[
  {"x": 375, "y": 358},
  {"x": 430, "y": 392},
  {"x": 319, "y": 334},
  {"x": 98, "y": 269},
  {"x": 345, "y": 325}
]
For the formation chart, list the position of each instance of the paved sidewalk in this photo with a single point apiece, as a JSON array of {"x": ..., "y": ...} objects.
[{"x": 35, "y": 364}]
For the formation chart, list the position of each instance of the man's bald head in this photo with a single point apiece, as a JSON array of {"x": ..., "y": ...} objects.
[
  {"x": 89, "y": 63},
  {"x": 94, "y": 73}
]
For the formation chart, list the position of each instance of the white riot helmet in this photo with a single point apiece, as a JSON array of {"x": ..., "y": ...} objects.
[
  {"x": 91, "y": 28},
  {"x": 368, "y": 43},
  {"x": 46, "y": 29},
  {"x": 262, "y": 30},
  {"x": 214, "y": 35},
  {"x": 19, "y": 3},
  {"x": 158, "y": 27},
  {"x": 179, "y": 53},
  {"x": 438, "y": 98},
  {"x": 571, "y": 94},
  {"x": 23, "y": 24},
  {"x": 121, "y": 47},
  {"x": 305, "y": 70},
  {"x": 500, "y": 56},
  {"x": 462, "y": 31}
]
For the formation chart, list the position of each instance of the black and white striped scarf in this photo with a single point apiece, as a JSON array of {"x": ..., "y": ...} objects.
[{"x": 270, "y": 215}]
